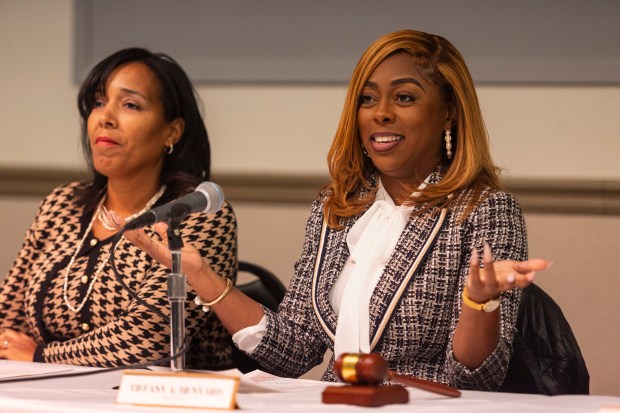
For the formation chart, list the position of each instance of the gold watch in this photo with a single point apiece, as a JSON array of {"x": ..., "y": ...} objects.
[{"x": 488, "y": 306}]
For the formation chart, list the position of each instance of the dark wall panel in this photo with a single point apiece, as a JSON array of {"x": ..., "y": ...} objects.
[{"x": 503, "y": 41}]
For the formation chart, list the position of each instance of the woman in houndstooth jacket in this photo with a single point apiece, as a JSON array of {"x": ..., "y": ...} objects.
[
  {"x": 145, "y": 144},
  {"x": 413, "y": 250}
]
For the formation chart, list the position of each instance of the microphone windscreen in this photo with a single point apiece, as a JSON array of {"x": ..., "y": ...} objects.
[{"x": 214, "y": 194}]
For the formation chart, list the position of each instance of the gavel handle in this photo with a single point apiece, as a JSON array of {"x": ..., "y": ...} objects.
[{"x": 426, "y": 385}]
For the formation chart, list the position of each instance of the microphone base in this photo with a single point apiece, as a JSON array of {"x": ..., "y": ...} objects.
[{"x": 371, "y": 396}]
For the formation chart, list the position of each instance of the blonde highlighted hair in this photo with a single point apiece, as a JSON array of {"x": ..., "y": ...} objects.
[{"x": 471, "y": 165}]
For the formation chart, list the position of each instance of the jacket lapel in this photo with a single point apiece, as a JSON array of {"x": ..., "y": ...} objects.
[
  {"x": 330, "y": 260},
  {"x": 414, "y": 243}
]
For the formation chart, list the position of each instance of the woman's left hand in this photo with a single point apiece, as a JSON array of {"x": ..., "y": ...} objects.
[
  {"x": 486, "y": 283},
  {"x": 16, "y": 346}
]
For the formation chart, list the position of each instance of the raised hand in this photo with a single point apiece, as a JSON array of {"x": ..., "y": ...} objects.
[
  {"x": 191, "y": 260},
  {"x": 495, "y": 277}
]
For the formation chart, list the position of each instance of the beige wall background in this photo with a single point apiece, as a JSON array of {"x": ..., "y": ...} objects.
[{"x": 537, "y": 132}]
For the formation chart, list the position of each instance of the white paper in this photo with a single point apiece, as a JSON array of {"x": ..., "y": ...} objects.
[
  {"x": 258, "y": 381},
  {"x": 16, "y": 369}
]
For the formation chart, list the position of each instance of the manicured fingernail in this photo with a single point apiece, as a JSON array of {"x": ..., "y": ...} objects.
[
  {"x": 473, "y": 260},
  {"x": 530, "y": 276},
  {"x": 510, "y": 277},
  {"x": 487, "y": 254}
]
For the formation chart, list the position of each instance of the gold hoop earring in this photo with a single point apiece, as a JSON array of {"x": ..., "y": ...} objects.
[
  {"x": 448, "y": 139},
  {"x": 169, "y": 149}
]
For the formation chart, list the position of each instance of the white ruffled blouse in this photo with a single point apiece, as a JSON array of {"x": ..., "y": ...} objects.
[{"x": 371, "y": 241}]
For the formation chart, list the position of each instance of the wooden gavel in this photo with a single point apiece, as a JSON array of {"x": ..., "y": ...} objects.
[{"x": 372, "y": 369}]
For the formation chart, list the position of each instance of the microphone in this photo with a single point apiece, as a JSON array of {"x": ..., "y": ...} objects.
[{"x": 208, "y": 197}]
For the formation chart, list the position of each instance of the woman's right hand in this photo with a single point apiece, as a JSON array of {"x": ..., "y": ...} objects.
[
  {"x": 205, "y": 282},
  {"x": 191, "y": 261}
]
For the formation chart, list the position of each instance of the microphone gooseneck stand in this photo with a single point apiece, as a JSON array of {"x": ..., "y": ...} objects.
[{"x": 177, "y": 295}]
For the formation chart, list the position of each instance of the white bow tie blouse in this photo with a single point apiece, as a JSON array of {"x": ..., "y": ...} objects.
[{"x": 371, "y": 241}]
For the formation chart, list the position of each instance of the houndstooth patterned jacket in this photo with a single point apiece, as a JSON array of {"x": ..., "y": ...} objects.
[
  {"x": 112, "y": 329},
  {"x": 416, "y": 304}
]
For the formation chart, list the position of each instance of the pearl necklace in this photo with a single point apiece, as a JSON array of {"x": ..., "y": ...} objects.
[
  {"x": 103, "y": 214},
  {"x": 96, "y": 216}
]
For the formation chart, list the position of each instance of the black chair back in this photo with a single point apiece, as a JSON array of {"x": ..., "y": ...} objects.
[
  {"x": 267, "y": 290},
  {"x": 546, "y": 358}
]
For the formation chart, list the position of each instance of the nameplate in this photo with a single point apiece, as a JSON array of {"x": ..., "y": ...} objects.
[{"x": 183, "y": 389}]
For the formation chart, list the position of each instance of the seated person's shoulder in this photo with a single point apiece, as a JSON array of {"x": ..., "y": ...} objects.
[
  {"x": 68, "y": 192},
  {"x": 487, "y": 201}
]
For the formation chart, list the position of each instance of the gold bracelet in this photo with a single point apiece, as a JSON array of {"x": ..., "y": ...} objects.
[
  {"x": 488, "y": 306},
  {"x": 206, "y": 305}
]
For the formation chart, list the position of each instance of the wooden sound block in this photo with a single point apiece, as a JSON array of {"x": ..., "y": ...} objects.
[{"x": 365, "y": 395}]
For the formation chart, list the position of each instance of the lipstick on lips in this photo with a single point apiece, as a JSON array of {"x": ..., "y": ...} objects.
[
  {"x": 106, "y": 141},
  {"x": 385, "y": 141}
]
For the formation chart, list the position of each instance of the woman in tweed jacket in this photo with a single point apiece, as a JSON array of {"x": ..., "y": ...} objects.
[
  {"x": 392, "y": 256},
  {"x": 146, "y": 144}
]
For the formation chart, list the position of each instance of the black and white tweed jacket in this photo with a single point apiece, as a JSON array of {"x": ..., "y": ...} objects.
[{"x": 416, "y": 304}]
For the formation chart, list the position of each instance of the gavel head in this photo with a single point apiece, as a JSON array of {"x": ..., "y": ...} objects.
[{"x": 361, "y": 368}]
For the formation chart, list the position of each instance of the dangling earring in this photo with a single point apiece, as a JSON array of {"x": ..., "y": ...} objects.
[
  {"x": 448, "y": 139},
  {"x": 365, "y": 152},
  {"x": 169, "y": 149}
]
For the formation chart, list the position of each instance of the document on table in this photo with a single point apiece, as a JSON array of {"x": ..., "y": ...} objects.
[
  {"x": 258, "y": 381},
  {"x": 15, "y": 369}
]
